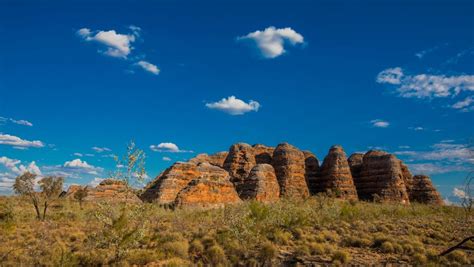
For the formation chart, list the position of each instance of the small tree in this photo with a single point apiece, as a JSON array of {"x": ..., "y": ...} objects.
[
  {"x": 131, "y": 167},
  {"x": 50, "y": 186},
  {"x": 81, "y": 194}
]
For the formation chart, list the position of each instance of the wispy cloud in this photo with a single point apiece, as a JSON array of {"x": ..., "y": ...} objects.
[
  {"x": 19, "y": 122},
  {"x": 234, "y": 106},
  {"x": 443, "y": 151},
  {"x": 271, "y": 41},
  {"x": 425, "y": 85},
  {"x": 166, "y": 159},
  {"x": 101, "y": 149},
  {"x": 168, "y": 147},
  {"x": 435, "y": 168},
  {"x": 380, "y": 123},
  {"x": 149, "y": 67},
  {"x": 464, "y": 105},
  {"x": 11, "y": 140}
]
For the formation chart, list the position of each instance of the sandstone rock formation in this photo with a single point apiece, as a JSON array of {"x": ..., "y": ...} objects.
[
  {"x": 261, "y": 184},
  {"x": 216, "y": 159},
  {"x": 113, "y": 191},
  {"x": 335, "y": 175},
  {"x": 289, "y": 165},
  {"x": 355, "y": 164},
  {"x": 212, "y": 189},
  {"x": 164, "y": 188},
  {"x": 263, "y": 154},
  {"x": 311, "y": 164},
  {"x": 239, "y": 162},
  {"x": 381, "y": 178},
  {"x": 423, "y": 191},
  {"x": 407, "y": 177},
  {"x": 69, "y": 194}
]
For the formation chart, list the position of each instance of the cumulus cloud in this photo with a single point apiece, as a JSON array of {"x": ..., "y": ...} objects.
[
  {"x": 271, "y": 41},
  {"x": 168, "y": 147},
  {"x": 96, "y": 181},
  {"x": 116, "y": 44},
  {"x": 147, "y": 66},
  {"x": 100, "y": 149},
  {"x": 78, "y": 163},
  {"x": 11, "y": 140},
  {"x": 459, "y": 193},
  {"x": 426, "y": 85},
  {"x": 380, "y": 123},
  {"x": 234, "y": 106},
  {"x": 15, "y": 167}
]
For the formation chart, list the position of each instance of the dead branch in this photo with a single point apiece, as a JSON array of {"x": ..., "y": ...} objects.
[{"x": 458, "y": 246}]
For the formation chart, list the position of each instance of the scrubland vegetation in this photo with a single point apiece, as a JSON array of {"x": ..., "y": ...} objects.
[{"x": 317, "y": 230}]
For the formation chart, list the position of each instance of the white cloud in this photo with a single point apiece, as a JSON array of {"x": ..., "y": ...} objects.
[
  {"x": 100, "y": 149},
  {"x": 464, "y": 104},
  {"x": 418, "y": 128},
  {"x": 271, "y": 41},
  {"x": 443, "y": 151},
  {"x": 435, "y": 168},
  {"x": 380, "y": 123},
  {"x": 14, "y": 166},
  {"x": 234, "y": 106},
  {"x": 147, "y": 66},
  {"x": 78, "y": 163},
  {"x": 426, "y": 85},
  {"x": 390, "y": 76},
  {"x": 117, "y": 45},
  {"x": 168, "y": 147},
  {"x": 77, "y": 154},
  {"x": 6, "y": 139},
  {"x": 166, "y": 158},
  {"x": 459, "y": 193},
  {"x": 22, "y": 122},
  {"x": 96, "y": 181}
]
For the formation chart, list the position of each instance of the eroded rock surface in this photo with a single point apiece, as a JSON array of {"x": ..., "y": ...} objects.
[
  {"x": 261, "y": 184},
  {"x": 289, "y": 165},
  {"x": 335, "y": 175},
  {"x": 423, "y": 191},
  {"x": 113, "y": 191},
  {"x": 263, "y": 154},
  {"x": 381, "y": 178},
  {"x": 239, "y": 162},
  {"x": 216, "y": 159},
  {"x": 311, "y": 163}
]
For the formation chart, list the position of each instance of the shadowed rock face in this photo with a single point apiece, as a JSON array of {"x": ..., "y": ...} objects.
[
  {"x": 166, "y": 186},
  {"x": 263, "y": 154},
  {"x": 239, "y": 162},
  {"x": 423, "y": 191},
  {"x": 216, "y": 159},
  {"x": 355, "y": 164},
  {"x": 381, "y": 176},
  {"x": 335, "y": 175},
  {"x": 210, "y": 190},
  {"x": 311, "y": 163},
  {"x": 113, "y": 191},
  {"x": 71, "y": 191},
  {"x": 407, "y": 177},
  {"x": 289, "y": 165},
  {"x": 261, "y": 184}
]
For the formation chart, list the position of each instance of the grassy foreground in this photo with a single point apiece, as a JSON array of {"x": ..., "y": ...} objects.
[{"x": 317, "y": 230}]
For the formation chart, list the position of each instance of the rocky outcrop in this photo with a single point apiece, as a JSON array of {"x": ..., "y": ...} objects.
[
  {"x": 289, "y": 165},
  {"x": 311, "y": 164},
  {"x": 423, "y": 191},
  {"x": 381, "y": 178},
  {"x": 164, "y": 189},
  {"x": 355, "y": 164},
  {"x": 210, "y": 190},
  {"x": 239, "y": 162},
  {"x": 407, "y": 177},
  {"x": 263, "y": 154},
  {"x": 261, "y": 184},
  {"x": 335, "y": 175},
  {"x": 112, "y": 191},
  {"x": 216, "y": 159},
  {"x": 71, "y": 191}
]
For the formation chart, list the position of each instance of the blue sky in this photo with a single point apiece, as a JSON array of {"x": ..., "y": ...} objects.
[{"x": 197, "y": 76}]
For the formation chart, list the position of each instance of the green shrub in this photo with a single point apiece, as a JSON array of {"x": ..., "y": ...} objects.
[
  {"x": 341, "y": 256},
  {"x": 458, "y": 256},
  {"x": 268, "y": 252},
  {"x": 387, "y": 247},
  {"x": 419, "y": 258},
  {"x": 216, "y": 255},
  {"x": 176, "y": 248}
]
